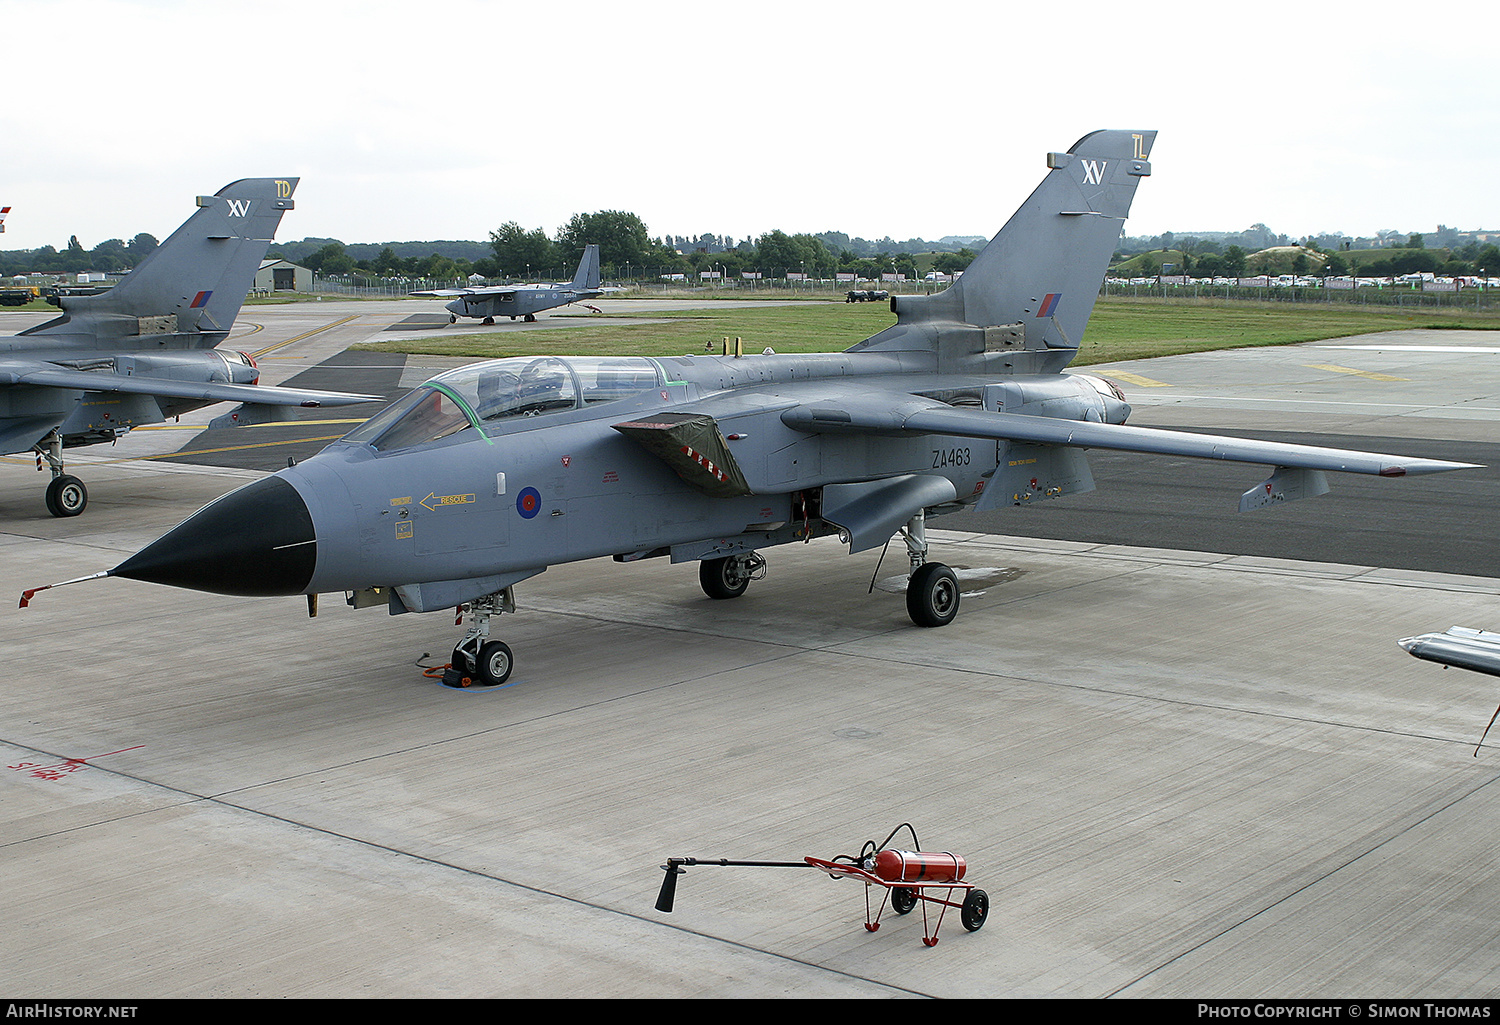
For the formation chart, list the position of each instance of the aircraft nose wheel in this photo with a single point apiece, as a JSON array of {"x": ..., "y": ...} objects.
[
  {"x": 66, "y": 496},
  {"x": 932, "y": 595},
  {"x": 494, "y": 664},
  {"x": 490, "y": 667}
]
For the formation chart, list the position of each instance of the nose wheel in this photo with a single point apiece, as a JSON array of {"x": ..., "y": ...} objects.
[{"x": 477, "y": 660}]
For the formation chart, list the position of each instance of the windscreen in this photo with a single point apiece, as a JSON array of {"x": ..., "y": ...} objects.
[{"x": 501, "y": 391}]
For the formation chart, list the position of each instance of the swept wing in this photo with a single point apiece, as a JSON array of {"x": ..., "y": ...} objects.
[{"x": 48, "y": 376}]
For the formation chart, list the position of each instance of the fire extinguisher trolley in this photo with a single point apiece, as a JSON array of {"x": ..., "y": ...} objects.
[{"x": 908, "y": 877}]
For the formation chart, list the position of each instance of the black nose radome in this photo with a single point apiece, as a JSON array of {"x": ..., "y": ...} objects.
[{"x": 257, "y": 540}]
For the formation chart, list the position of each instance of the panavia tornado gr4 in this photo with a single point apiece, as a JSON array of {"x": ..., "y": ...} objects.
[
  {"x": 488, "y": 474},
  {"x": 144, "y": 350}
]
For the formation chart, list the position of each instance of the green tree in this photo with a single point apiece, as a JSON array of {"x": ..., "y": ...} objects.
[
  {"x": 621, "y": 237},
  {"x": 140, "y": 247},
  {"x": 331, "y": 259},
  {"x": 1234, "y": 261},
  {"x": 519, "y": 252},
  {"x": 952, "y": 263}
]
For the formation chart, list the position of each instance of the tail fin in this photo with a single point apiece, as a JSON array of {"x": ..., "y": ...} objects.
[
  {"x": 1039, "y": 277},
  {"x": 586, "y": 278},
  {"x": 3, "y": 211},
  {"x": 193, "y": 283}
]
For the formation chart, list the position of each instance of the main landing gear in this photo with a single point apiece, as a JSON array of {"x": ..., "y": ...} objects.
[
  {"x": 478, "y": 660},
  {"x": 932, "y": 588},
  {"x": 730, "y": 576},
  {"x": 66, "y": 495}
]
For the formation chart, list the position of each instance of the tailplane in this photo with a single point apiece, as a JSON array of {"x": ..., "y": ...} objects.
[
  {"x": 586, "y": 278},
  {"x": 193, "y": 284},
  {"x": 1034, "y": 286}
]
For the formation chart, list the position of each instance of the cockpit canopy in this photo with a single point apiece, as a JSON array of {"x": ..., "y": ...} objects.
[{"x": 491, "y": 394}]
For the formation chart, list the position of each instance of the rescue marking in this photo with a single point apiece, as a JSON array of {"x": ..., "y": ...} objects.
[{"x": 442, "y": 500}]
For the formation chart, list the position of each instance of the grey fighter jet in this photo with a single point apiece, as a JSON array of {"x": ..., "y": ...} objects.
[
  {"x": 524, "y": 301},
  {"x": 143, "y": 350},
  {"x": 488, "y": 474}
]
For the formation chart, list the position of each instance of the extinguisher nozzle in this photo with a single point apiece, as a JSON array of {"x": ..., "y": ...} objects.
[{"x": 668, "y": 894}]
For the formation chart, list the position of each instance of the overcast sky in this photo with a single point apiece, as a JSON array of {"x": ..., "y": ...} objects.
[{"x": 409, "y": 121}]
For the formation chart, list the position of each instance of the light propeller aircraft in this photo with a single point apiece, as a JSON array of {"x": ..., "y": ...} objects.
[
  {"x": 525, "y": 301},
  {"x": 486, "y": 475},
  {"x": 144, "y": 350}
]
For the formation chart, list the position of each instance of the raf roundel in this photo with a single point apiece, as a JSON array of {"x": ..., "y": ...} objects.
[{"x": 528, "y": 502}]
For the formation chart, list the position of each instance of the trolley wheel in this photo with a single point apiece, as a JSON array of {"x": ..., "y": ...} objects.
[
  {"x": 976, "y": 908},
  {"x": 66, "y": 496},
  {"x": 932, "y": 595},
  {"x": 494, "y": 664},
  {"x": 903, "y": 899}
]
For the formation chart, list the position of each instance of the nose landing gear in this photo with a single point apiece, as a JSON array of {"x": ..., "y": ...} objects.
[{"x": 477, "y": 660}]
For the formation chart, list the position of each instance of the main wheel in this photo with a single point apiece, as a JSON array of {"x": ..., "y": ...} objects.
[
  {"x": 724, "y": 578},
  {"x": 932, "y": 595},
  {"x": 903, "y": 899},
  {"x": 494, "y": 664},
  {"x": 66, "y": 496},
  {"x": 975, "y": 910}
]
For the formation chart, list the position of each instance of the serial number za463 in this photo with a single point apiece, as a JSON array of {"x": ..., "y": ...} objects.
[{"x": 949, "y": 457}]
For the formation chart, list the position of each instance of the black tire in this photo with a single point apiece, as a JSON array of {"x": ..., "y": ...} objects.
[
  {"x": 494, "y": 664},
  {"x": 723, "y": 578},
  {"x": 975, "y": 909},
  {"x": 932, "y": 595},
  {"x": 66, "y": 496},
  {"x": 903, "y": 899}
]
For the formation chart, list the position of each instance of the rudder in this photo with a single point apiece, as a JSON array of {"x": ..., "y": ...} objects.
[{"x": 586, "y": 278}]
